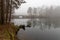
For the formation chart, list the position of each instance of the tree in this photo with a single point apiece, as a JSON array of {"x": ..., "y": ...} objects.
[
  {"x": 2, "y": 11},
  {"x": 29, "y": 11},
  {"x": 35, "y": 11},
  {"x": 6, "y": 9}
]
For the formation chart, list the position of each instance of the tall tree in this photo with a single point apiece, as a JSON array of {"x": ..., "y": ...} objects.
[
  {"x": 35, "y": 11},
  {"x": 6, "y": 8},
  {"x": 2, "y": 11},
  {"x": 29, "y": 11}
]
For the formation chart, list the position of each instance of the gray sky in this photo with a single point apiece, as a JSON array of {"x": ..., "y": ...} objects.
[{"x": 36, "y": 3}]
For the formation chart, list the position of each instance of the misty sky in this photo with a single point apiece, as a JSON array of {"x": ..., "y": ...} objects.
[{"x": 36, "y": 3}]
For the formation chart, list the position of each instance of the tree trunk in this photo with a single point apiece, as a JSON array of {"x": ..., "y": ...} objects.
[
  {"x": 10, "y": 12},
  {"x": 2, "y": 11},
  {"x": 7, "y": 10}
]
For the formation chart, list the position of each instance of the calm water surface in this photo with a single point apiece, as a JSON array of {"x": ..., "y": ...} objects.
[{"x": 41, "y": 29}]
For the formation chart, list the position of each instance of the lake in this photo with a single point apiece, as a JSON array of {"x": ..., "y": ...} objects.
[{"x": 41, "y": 29}]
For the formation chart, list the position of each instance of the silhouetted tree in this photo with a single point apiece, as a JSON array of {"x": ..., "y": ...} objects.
[
  {"x": 6, "y": 9},
  {"x": 2, "y": 11}
]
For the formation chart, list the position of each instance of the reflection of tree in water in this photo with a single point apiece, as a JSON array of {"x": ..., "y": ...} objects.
[
  {"x": 47, "y": 24},
  {"x": 29, "y": 23},
  {"x": 32, "y": 22}
]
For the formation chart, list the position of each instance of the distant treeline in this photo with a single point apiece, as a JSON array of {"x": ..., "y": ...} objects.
[{"x": 53, "y": 11}]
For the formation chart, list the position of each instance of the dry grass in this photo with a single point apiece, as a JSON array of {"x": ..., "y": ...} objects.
[{"x": 8, "y": 32}]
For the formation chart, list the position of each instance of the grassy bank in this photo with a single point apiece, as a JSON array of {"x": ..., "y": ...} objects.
[{"x": 8, "y": 32}]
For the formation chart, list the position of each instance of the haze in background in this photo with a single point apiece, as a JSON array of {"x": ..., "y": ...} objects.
[{"x": 36, "y": 3}]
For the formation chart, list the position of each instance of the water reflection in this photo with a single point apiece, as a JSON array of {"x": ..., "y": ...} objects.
[
  {"x": 40, "y": 29},
  {"x": 43, "y": 23}
]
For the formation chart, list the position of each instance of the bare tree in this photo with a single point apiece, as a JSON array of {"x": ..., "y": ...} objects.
[
  {"x": 29, "y": 11},
  {"x": 35, "y": 11}
]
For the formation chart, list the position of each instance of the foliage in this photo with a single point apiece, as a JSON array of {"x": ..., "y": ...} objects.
[{"x": 7, "y": 8}]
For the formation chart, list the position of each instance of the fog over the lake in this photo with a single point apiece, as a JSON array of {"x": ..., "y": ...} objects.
[{"x": 36, "y": 3}]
